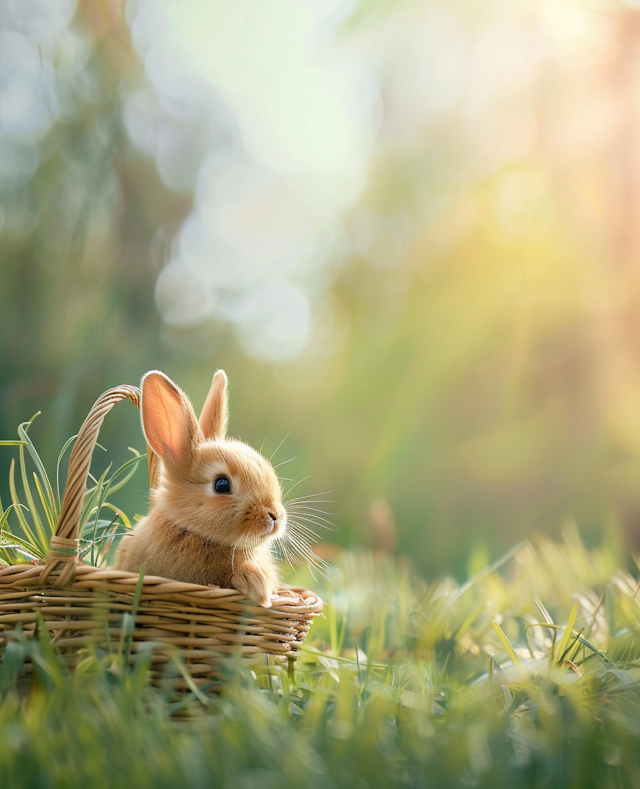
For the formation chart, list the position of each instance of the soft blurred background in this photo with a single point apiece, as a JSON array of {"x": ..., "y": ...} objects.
[{"x": 408, "y": 229}]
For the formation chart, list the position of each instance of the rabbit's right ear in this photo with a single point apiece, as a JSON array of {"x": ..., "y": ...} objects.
[
  {"x": 215, "y": 411},
  {"x": 168, "y": 420}
]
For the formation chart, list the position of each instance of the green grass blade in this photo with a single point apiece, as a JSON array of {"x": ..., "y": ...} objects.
[
  {"x": 101, "y": 493},
  {"x": 131, "y": 619},
  {"x": 21, "y": 545},
  {"x": 51, "y": 518},
  {"x": 468, "y": 622},
  {"x": 4, "y": 517},
  {"x": 132, "y": 462},
  {"x": 579, "y": 637},
  {"x": 66, "y": 446},
  {"x": 564, "y": 641},
  {"x": 491, "y": 568},
  {"x": 37, "y": 523},
  {"x": 19, "y": 507},
  {"x": 44, "y": 477},
  {"x": 508, "y": 648},
  {"x": 119, "y": 514},
  {"x": 90, "y": 500},
  {"x": 9, "y": 541},
  {"x": 189, "y": 681},
  {"x": 545, "y": 614}
]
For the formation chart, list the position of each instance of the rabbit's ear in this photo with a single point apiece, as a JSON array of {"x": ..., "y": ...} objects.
[
  {"x": 168, "y": 420},
  {"x": 215, "y": 412}
]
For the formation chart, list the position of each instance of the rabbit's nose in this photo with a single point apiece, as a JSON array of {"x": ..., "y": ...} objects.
[{"x": 273, "y": 521}]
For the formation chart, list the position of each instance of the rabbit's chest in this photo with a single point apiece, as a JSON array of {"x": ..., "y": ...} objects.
[{"x": 193, "y": 559}]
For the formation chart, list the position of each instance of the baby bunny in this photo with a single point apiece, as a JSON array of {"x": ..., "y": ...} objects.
[{"x": 217, "y": 505}]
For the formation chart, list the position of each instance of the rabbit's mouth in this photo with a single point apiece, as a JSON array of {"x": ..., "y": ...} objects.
[{"x": 269, "y": 525}]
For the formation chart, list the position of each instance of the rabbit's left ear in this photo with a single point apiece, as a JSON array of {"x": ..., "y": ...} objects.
[{"x": 215, "y": 411}]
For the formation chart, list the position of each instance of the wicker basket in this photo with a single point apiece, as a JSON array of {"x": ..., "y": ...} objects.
[{"x": 83, "y": 605}]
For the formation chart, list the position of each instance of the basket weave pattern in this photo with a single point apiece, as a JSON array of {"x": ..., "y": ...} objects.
[{"x": 81, "y": 604}]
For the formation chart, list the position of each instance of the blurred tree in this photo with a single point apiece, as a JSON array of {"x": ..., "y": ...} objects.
[{"x": 77, "y": 276}]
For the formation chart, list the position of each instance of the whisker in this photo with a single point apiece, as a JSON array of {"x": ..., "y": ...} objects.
[
  {"x": 304, "y": 507},
  {"x": 313, "y": 560},
  {"x": 303, "y": 543},
  {"x": 299, "y": 482},
  {"x": 303, "y": 549},
  {"x": 295, "y": 522},
  {"x": 300, "y": 530},
  {"x": 301, "y": 539},
  {"x": 299, "y": 504},
  {"x": 284, "y": 462},
  {"x": 292, "y": 559},
  {"x": 279, "y": 445},
  {"x": 322, "y": 493},
  {"x": 318, "y": 524},
  {"x": 318, "y": 520}
]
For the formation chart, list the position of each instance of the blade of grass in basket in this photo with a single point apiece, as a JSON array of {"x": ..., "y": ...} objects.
[
  {"x": 90, "y": 500},
  {"x": 135, "y": 462},
  {"x": 66, "y": 446},
  {"x": 19, "y": 507},
  {"x": 6, "y": 537},
  {"x": 564, "y": 641},
  {"x": 106, "y": 487},
  {"x": 98, "y": 537},
  {"x": 37, "y": 523},
  {"x": 51, "y": 517},
  {"x": 9, "y": 541},
  {"x": 104, "y": 532},
  {"x": 119, "y": 513},
  {"x": 44, "y": 477},
  {"x": 24, "y": 551}
]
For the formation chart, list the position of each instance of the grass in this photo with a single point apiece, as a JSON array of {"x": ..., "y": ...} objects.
[
  {"x": 526, "y": 675},
  {"x": 37, "y": 513}
]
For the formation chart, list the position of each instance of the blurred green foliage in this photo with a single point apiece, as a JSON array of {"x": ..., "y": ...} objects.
[{"x": 478, "y": 378}]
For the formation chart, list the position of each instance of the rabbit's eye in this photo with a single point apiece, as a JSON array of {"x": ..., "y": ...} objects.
[{"x": 222, "y": 485}]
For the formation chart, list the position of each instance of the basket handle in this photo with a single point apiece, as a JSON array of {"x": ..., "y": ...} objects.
[{"x": 63, "y": 550}]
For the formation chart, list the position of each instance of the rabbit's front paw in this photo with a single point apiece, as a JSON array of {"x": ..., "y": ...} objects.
[{"x": 254, "y": 584}]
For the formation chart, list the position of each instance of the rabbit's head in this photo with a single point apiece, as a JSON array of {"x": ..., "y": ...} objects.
[{"x": 219, "y": 488}]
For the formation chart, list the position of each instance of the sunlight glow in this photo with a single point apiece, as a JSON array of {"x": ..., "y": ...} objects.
[{"x": 288, "y": 124}]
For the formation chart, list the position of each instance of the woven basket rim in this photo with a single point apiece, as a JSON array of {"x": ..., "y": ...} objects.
[{"x": 29, "y": 575}]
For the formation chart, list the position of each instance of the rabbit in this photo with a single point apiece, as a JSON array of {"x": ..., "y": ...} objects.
[{"x": 217, "y": 505}]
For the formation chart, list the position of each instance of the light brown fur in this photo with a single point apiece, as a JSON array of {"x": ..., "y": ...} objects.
[{"x": 192, "y": 533}]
